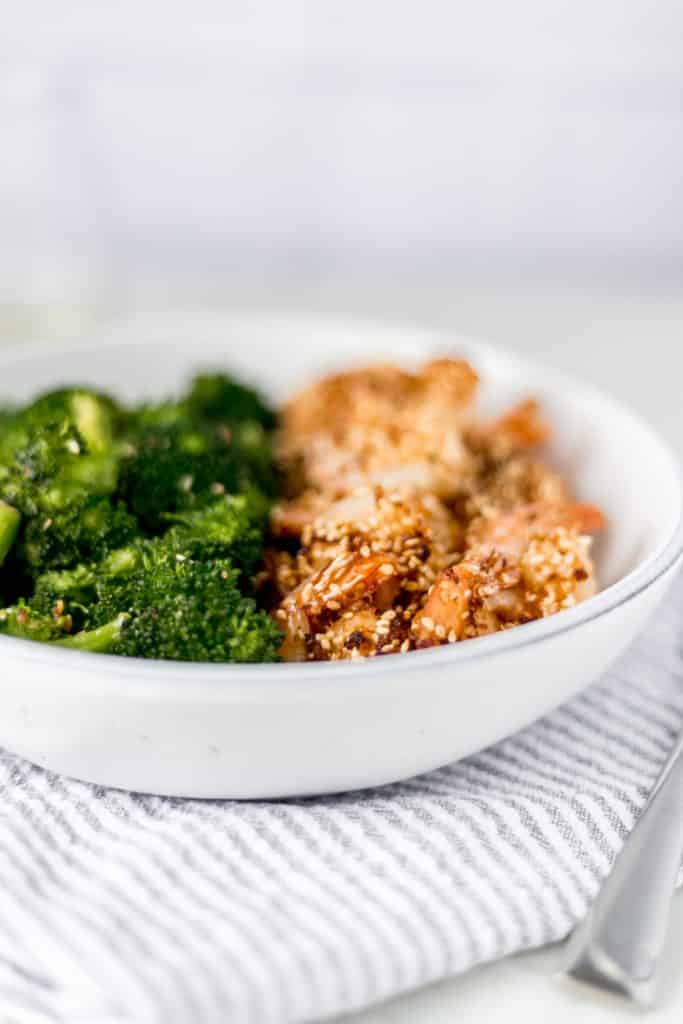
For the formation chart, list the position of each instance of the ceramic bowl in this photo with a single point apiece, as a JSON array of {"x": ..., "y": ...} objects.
[{"x": 261, "y": 731}]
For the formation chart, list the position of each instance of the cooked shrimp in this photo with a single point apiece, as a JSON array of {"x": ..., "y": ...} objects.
[
  {"x": 511, "y": 483},
  {"x": 516, "y": 430},
  {"x": 350, "y": 581},
  {"x": 419, "y": 531},
  {"x": 409, "y": 523},
  {"x": 382, "y": 426},
  {"x": 519, "y": 566},
  {"x": 399, "y": 542}
]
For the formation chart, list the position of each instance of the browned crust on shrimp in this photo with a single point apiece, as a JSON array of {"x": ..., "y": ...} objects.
[
  {"x": 521, "y": 566},
  {"x": 408, "y": 523}
]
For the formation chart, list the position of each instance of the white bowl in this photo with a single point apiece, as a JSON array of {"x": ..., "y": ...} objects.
[{"x": 285, "y": 730}]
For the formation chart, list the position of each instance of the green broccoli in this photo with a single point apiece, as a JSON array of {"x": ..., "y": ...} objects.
[
  {"x": 22, "y": 621},
  {"x": 26, "y": 623},
  {"x": 229, "y": 527},
  {"x": 102, "y": 640},
  {"x": 181, "y": 600},
  {"x": 80, "y": 532},
  {"x": 9, "y": 527},
  {"x": 95, "y": 416},
  {"x": 137, "y": 532},
  {"x": 177, "y": 467},
  {"x": 66, "y": 592},
  {"x": 220, "y": 399},
  {"x": 187, "y": 610},
  {"x": 58, "y": 468}
]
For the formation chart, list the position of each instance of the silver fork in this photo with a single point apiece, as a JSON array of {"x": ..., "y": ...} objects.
[{"x": 618, "y": 945}]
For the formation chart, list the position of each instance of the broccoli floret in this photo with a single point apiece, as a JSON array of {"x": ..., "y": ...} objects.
[
  {"x": 66, "y": 592},
  {"x": 31, "y": 459},
  {"x": 102, "y": 640},
  {"x": 184, "y": 592},
  {"x": 186, "y": 610},
  {"x": 230, "y": 527},
  {"x": 22, "y": 621},
  {"x": 95, "y": 416},
  {"x": 80, "y": 532},
  {"x": 174, "y": 468},
  {"x": 58, "y": 467},
  {"x": 220, "y": 399},
  {"x": 177, "y": 454},
  {"x": 64, "y": 440},
  {"x": 26, "y": 623},
  {"x": 9, "y": 527},
  {"x": 137, "y": 532}
]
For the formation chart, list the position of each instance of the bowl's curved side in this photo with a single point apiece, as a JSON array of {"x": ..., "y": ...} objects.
[{"x": 301, "y": 740}]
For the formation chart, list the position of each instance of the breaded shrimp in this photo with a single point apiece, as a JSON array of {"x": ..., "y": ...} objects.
[
  {"x": 520, "y": 566},
  {"x": 510, "y": 483},
  {"x": 349, "y": 583},
  {"x": 416, "y": 537},
  {"x": 381, "y": 425},
  {"x": 516, "y": 430},
  {"x": 409, "y": 523}
]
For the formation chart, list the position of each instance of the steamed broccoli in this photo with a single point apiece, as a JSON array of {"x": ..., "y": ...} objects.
[
  {"x": 138, "y": 531},
  {"x": 94, "y": 415},
  {"x": 220, "y": 399},
  {"x": 57, "y": 470},
  {"x": 187, "y": 610},
  {"x": 9, "y": 527},
  {"x": 179, "y": 465},
  {"x": 25, "y": 623},
  {"x": 230, "y": 527},
  {"x": 81, "y": 531},
  {"x": 167, "y": 604}
]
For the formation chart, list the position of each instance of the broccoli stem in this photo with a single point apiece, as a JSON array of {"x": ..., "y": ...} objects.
[
  {"x": 97, "y": 641},
  {"x": 92, "y": 421},
  {"x": 9, "y": 527}
]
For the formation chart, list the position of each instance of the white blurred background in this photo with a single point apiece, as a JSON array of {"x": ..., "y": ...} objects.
[{"x": 512, "y": 169}]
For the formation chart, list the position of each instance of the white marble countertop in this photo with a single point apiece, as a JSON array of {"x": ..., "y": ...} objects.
[{"x": 626, "y": 340}]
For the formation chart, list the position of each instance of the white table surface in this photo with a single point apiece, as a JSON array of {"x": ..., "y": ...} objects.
[{"x": 628, "y": 341}]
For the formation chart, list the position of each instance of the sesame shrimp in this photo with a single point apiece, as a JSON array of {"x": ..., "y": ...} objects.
[
  {"x": 520, "y": 566},
  {"x": 347, "y": 597},
  {"x": 409, "y": 521},
  {"x": 516, "y": 430},
  {"x": 381, "y": 425},
  {"x": 363, "y": 540}
]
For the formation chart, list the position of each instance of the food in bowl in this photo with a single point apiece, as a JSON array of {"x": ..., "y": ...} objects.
[
  {"x": 137, "y": 531},
  {"x": 376, "y": 514},
  {"x": 415, "y": 522}
]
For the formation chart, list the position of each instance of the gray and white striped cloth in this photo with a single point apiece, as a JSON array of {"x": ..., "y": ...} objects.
[{"x": 123, "y": 908}]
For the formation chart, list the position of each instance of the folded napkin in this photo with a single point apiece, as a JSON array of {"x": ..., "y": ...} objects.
[{"x": 119, "y": 907}]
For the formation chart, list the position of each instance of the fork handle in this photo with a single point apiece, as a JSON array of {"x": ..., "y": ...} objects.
[{"x": 619, "y": 944}]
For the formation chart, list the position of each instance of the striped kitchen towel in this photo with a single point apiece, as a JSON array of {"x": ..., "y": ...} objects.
[{"x": 116, "y": 907}]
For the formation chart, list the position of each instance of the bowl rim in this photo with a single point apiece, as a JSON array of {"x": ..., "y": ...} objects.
[{"x": 431, "y": 341}]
